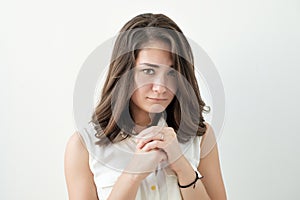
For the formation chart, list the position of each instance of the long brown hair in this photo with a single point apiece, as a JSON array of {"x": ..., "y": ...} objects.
[{"x": 184, "y": 114}]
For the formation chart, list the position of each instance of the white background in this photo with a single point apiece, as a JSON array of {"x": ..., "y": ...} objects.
[{"x": 254, "y": 45}]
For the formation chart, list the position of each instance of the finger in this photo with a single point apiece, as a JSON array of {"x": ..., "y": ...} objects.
[
  {"x": 163, "y": 156},
  {"x": 155, "y": 144},
  {"x": 140, "y": 145},
  {"x": 160, "y": 137}
]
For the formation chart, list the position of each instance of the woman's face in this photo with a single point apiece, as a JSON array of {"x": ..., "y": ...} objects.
[{"x": 155, "y": 80}]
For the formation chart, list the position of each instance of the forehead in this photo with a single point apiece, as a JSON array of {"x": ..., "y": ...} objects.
[{"x": 155, "y": 56}]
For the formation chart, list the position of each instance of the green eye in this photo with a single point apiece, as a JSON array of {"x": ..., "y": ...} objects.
[
  {"x": 172, "y": 73},
  {"x": 148, "y": 71}
]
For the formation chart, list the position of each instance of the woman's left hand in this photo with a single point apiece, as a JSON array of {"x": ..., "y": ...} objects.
[{"x": 163, "y": 138}]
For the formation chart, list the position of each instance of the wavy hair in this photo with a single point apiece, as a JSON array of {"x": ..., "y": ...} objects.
[{"x": 184, "y": 115}]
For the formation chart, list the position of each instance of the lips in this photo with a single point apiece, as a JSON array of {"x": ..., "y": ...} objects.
[{"x": 156, "y": 99}]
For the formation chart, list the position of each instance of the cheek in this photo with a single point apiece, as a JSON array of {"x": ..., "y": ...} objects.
[
  {"x": 171, "y": 84},
  {"x": 172, "y": 88},
  {"x": 138, "y": 94},
  {"x": 135, "y": 97},
  {"x": 171, "y": 98}
]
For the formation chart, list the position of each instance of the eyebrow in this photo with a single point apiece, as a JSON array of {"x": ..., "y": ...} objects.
[{"x": 153, "y": 65}]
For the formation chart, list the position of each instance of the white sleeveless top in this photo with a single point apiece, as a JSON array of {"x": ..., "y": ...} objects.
[{"x": 105, "y": 165}]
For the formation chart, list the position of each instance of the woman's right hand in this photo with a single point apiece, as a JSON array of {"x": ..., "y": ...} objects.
[
  {"x": 140, "y": 166},
  {"x": 143, "y": 163}
]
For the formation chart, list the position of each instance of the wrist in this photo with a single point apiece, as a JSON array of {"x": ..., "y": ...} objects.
[
  {"x": 185, "y": 173},
  {"x": 133, "y": 178},
  {"x": 180, "y": 166},
  {"x": 197, "y": 177}
]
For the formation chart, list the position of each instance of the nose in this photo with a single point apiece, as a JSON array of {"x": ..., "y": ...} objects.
[
  {"x": 158, "y": 84},
  {"x": 158, "y": 88}
]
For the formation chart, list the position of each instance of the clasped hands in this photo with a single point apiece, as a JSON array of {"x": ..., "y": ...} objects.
[{"x": 155, "y": 145}]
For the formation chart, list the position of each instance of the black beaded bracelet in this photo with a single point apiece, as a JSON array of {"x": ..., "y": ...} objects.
[{"x": 193, "y": 183}]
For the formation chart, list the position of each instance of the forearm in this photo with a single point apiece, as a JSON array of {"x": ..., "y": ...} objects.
[
  {"x": 126, "y": 187},
  {"x": 186, "y": 175}
]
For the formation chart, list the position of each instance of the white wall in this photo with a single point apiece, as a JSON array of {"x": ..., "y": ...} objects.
[{"x": 254, "y": 45}]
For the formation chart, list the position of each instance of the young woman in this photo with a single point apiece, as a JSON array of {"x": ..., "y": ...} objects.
[{"x": 147, "y": 133}]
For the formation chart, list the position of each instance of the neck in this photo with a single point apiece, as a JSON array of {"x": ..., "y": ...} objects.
[{"x": 140, "y": 117}]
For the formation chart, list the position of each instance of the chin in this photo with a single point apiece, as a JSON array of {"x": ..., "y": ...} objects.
[{"x": 156, "y": 108}]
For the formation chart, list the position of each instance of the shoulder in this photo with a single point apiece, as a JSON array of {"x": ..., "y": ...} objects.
[
  {"x": 208, "y": 135},
  {"x": 79, "y": 177},
  {"x": 208, "y": 128},
  {"x": 76, "y": 155},
  {"x": 209, "y": 166},
  {"x": 75, "y": 144},
  {"x": 208, "y": 141}
]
